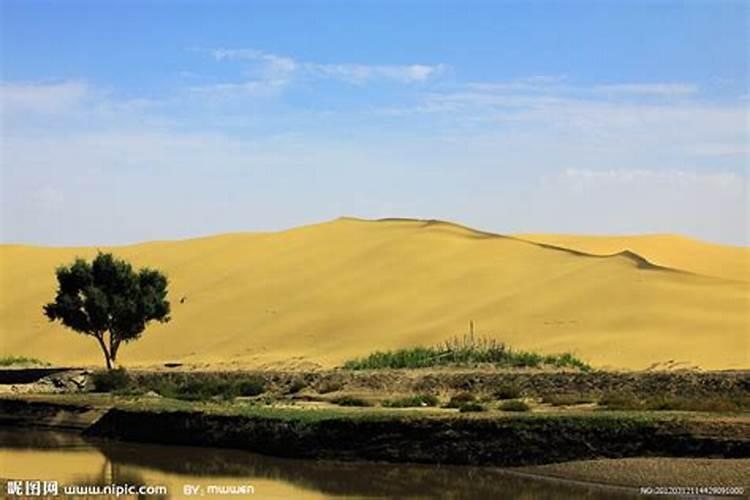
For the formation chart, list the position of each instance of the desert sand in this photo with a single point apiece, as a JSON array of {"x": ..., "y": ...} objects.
[{"x": 322, "y": 294}]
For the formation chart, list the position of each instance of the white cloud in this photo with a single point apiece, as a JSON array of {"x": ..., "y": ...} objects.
[
  {"x": 42, "y": 97},
  {"x": 613, "y": 163}
]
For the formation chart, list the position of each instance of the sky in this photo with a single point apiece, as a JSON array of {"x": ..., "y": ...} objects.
[{"x": 129, "y": 121}]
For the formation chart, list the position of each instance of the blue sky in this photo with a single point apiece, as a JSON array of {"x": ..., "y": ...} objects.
[{"x": 130, "y": 121}]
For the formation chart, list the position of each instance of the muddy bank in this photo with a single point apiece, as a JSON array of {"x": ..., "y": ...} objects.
[
  {"x": 505, "y": 441},
  {"x": 508, "y": 441},
  {"x": 20, "y": 413}
]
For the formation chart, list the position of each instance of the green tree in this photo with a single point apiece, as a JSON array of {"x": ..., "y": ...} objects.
[{"x": 109, "y": 301}]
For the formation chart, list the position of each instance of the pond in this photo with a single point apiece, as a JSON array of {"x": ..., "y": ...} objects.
[{"x": 41, "y": 459}]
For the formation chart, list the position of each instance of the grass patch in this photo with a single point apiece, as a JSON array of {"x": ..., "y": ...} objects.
[
  {"x": 350, "y": 401},
  {"x": 626, "y": 401},
  {"x": 418, "y": 401},
  {"x": 21, "y": 361},
  {"x": 463, "y": 351},
  {"x": 514, "y": 405},
  {"x": 507, "y": 391},
  {"x": 471, "y": 407},
  {"x": 566, "y": 399}
]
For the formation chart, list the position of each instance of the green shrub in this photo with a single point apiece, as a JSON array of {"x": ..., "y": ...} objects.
[
  {"x": 461, "y": 398},
  {"x": 463, "y": 351},
  {"x": 412, "y": 401},
  {"x": 507, "y": 391},
  {"x": 471, "y": 407},
  {"x": 111, "y": 380},
  {"x": 350, "y": 401},
  {"x": 251, "y": 386},
  {"x": 514, "y": 405},
  {"x": 566, "y": 399}
]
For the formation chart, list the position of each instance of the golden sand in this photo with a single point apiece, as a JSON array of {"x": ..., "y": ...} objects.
[{"x": 329, "y": 292}]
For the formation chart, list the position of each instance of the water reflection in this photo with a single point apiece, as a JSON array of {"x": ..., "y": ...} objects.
[{"x": 71, "y": 459}]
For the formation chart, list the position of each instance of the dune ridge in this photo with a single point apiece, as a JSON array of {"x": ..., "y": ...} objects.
[
  {"x": 640, "y": 260},
  {"x": 318, "y": 295},
  {"x": 665, "y": 250}
]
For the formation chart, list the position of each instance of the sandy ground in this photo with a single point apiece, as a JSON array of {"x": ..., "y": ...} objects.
[
  {"x": 637, "y": 472},
  {"x": 321, "y": 294}
]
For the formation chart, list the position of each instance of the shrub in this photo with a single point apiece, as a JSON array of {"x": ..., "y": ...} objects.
[
  {"x": 197, "y": 388},
  {"x": 111, "y": 380},
  {"x": 507, "y": 391},
  {"x": 21, "y": 361},
  {"x": 514, "y": 405},
  {"x": 412, "y": 401},
  {"x": 250, "y": 386},
  {"x": 295, "y": 386},
  {"x": 350, "y": 401},
  {"x": 567, "y": 360},
  {"x": 471, "y": 407},
  {"x": 461, "y": 398}
]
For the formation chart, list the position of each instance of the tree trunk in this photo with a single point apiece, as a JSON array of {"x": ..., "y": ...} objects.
[
  {"x": 114, "y": 346},
  {"x": 100, "y": 338}
]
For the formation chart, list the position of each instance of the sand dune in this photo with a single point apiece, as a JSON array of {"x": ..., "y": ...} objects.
[
  {"x": 325, "y": 293},
  {"x": 723, "y": 261}
]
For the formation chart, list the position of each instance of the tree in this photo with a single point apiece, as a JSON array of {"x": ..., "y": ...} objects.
[{"x": 108, "y": 300}]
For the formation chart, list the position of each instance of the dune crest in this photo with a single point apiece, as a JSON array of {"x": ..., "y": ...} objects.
[
  {"x": 672, "y": 251},
  {"x": 324, "y": 293}
]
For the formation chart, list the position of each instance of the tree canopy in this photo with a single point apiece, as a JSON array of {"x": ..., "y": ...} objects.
[{"x": 109, "y": 301}]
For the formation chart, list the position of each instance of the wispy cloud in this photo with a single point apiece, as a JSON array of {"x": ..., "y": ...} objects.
[
  {"x": 597, "y": 178},
  {"x": 361, "y": 73},
  {"x": 649, "y": 89},
  {"x": 280, "y": 68}
]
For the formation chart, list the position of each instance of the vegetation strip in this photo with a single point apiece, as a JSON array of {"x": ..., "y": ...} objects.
[{"x": 464, "y": 351}]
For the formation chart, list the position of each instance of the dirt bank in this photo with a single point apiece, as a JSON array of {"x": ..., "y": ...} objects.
[{"x": 531, "y": 383}]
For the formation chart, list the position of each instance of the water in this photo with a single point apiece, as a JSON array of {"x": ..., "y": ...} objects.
[{"x": 72, "y": 460}]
